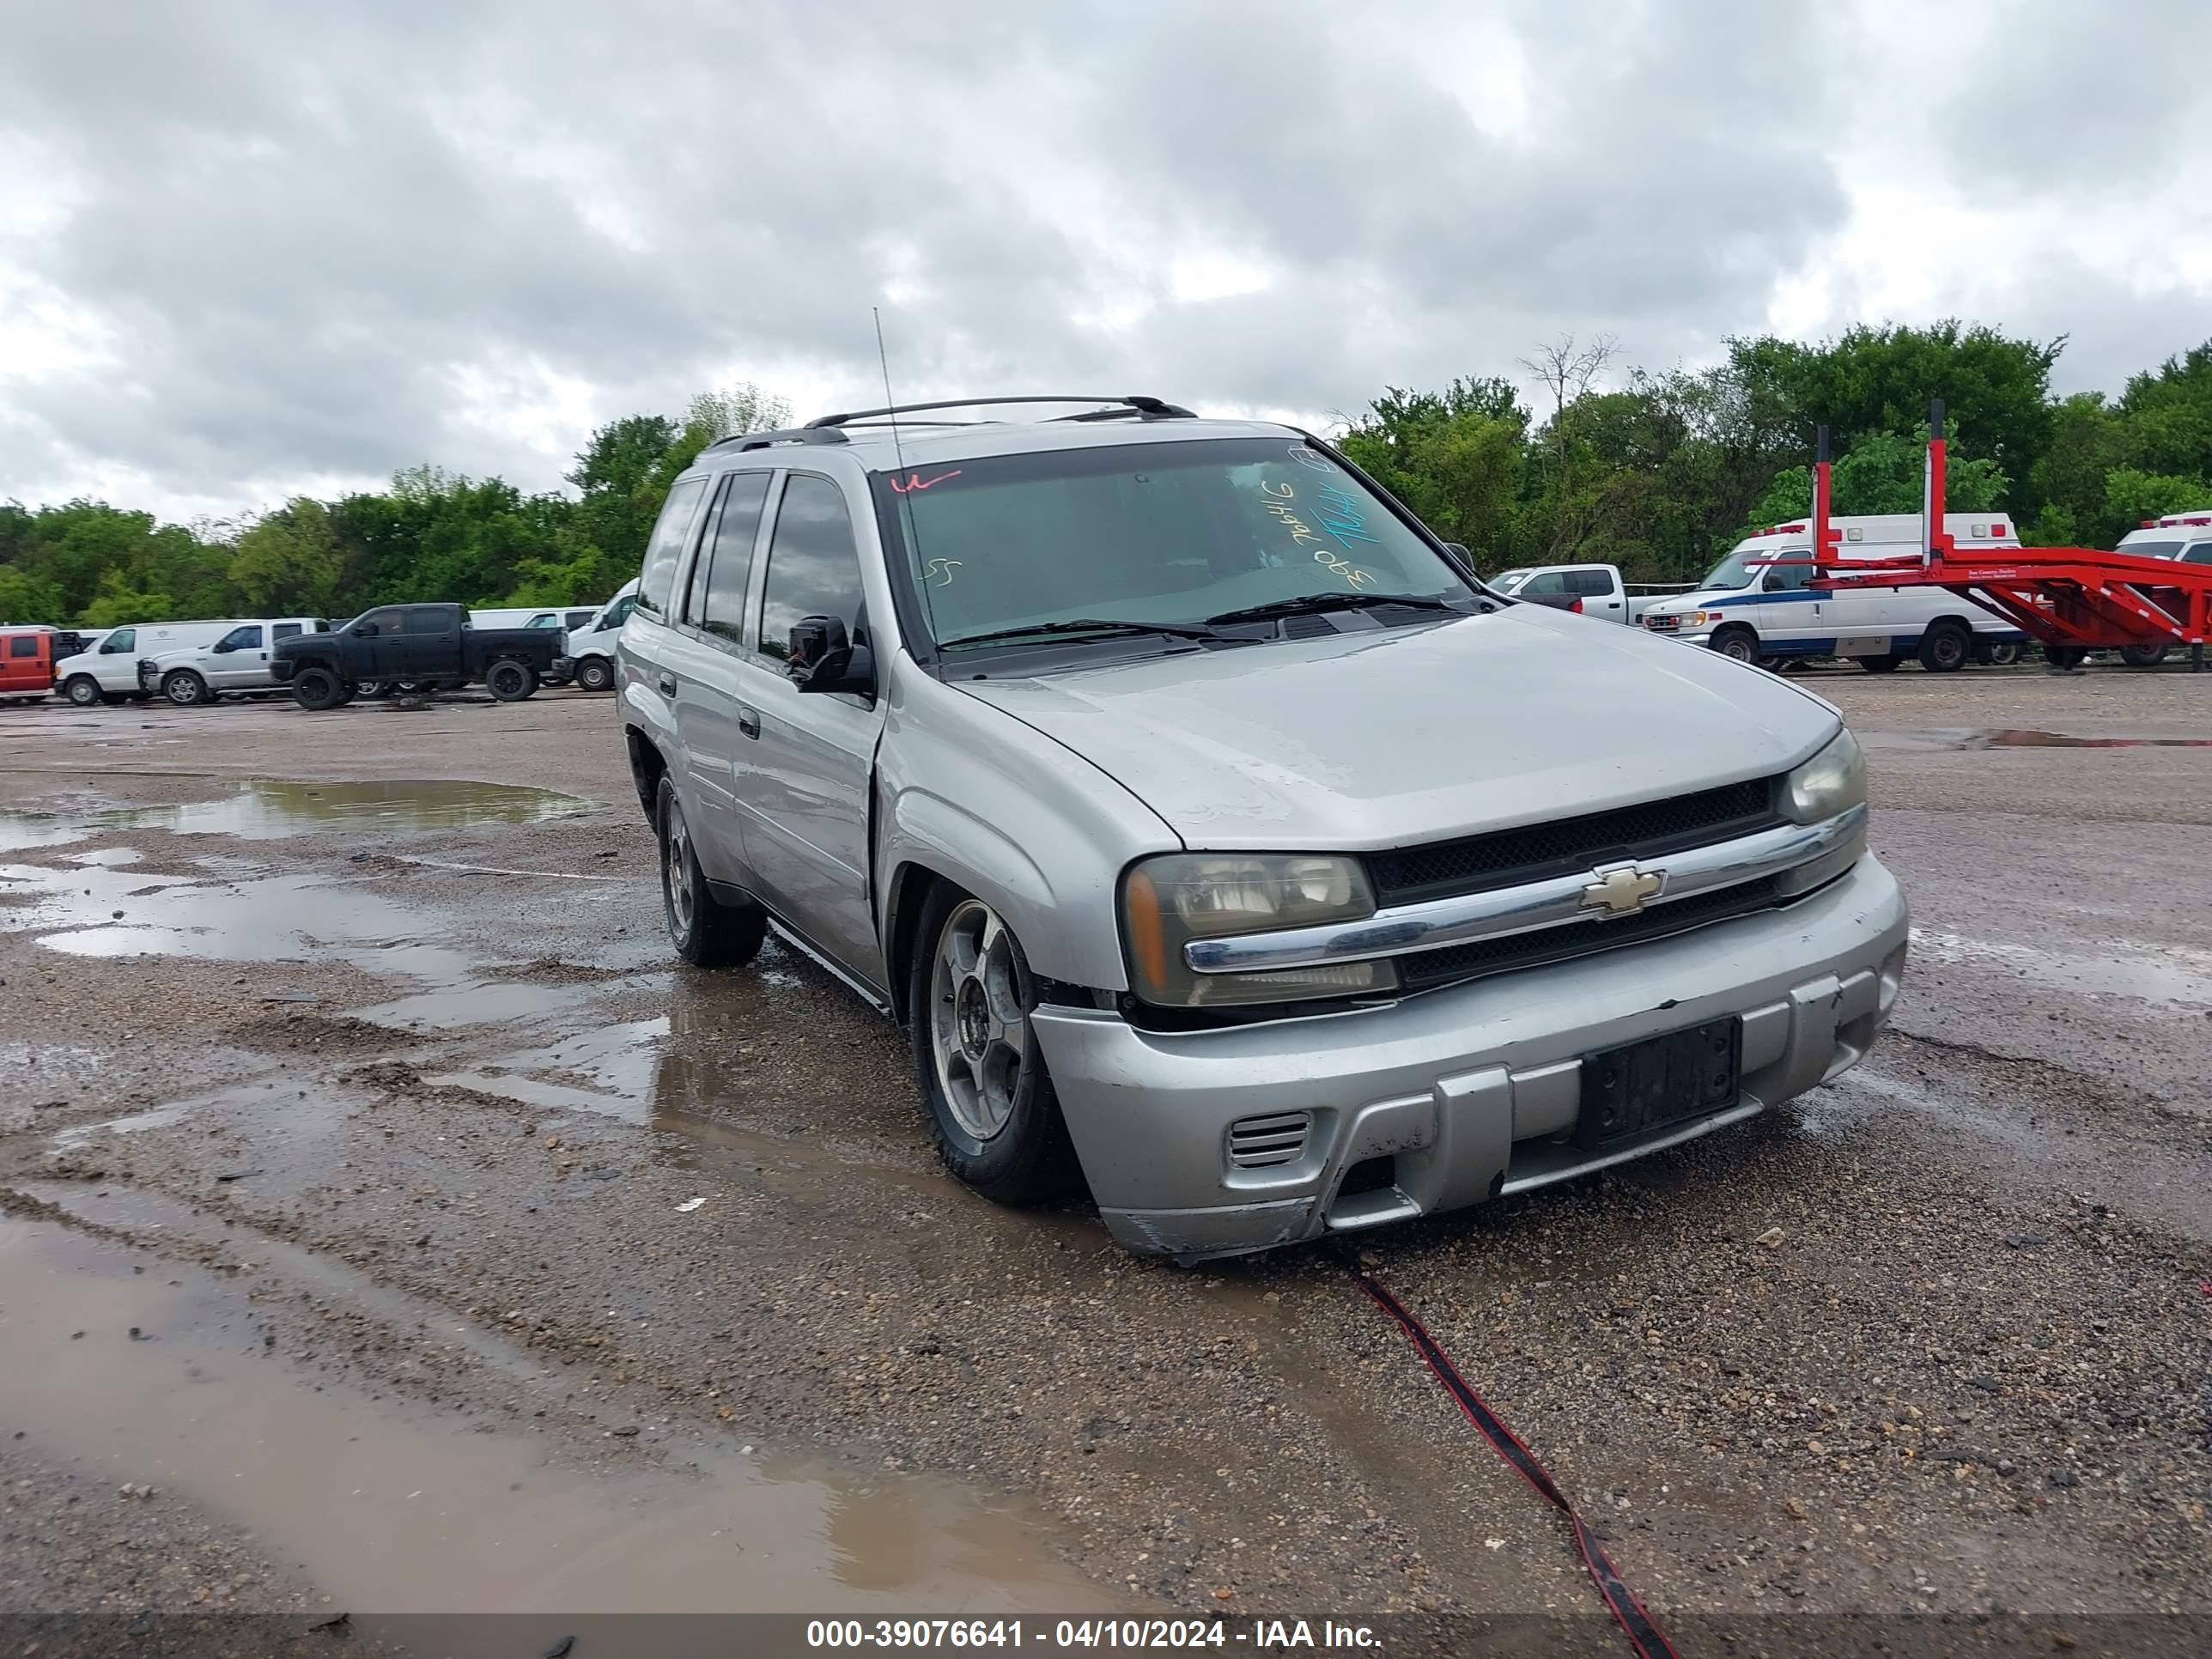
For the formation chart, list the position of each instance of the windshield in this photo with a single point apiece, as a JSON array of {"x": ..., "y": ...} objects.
[
  {"x": 1157, "y": 532},
  {"x": 2151, "y": 549},
  {"x": 1737, "y": 570}
]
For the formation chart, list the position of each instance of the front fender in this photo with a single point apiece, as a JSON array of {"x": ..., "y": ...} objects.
[{"x": 980, "y": 799}]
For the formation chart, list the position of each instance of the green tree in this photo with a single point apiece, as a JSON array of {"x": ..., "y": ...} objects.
[
  {"x": 1885, "y": 473},
  {"x": 117, "y": 603},
  {"x": 288, "y": 563},
  {"x": 1454, "y": 457}
]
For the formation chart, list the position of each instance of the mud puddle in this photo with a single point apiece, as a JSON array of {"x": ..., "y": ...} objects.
[
  {"x": 109, "y": 911},
  {"x": 146, "y": 1371},
  {"x": 1969, "y": 737},
  {"x": 2175, "y": 976},
  {"x": 278, "y": 809}
]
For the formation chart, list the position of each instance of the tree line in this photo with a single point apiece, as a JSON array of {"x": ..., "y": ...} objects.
[{"x": 1660, "y": 474}]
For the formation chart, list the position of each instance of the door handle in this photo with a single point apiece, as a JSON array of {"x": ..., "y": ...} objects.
[
  {"x": 749, "y": 722},
  {"x": 668, "y": 685}
]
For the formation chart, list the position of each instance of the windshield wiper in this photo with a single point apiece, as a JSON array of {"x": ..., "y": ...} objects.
[
  {"x": 1307, "y": 604},
  {"x": 1094, "y": 625}
]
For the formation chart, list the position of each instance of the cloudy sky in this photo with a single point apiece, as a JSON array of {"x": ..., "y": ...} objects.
[{"x": 248, "y": 250}]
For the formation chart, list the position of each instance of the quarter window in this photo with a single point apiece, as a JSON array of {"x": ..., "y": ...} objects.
[
  {"x": 657, "y": 578},
  {"x": 813, "y": 563},
  {"x": 718, "y": 599}
]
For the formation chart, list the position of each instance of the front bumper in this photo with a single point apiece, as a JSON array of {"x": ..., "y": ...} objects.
[{"x": 1471, "y": 1092}]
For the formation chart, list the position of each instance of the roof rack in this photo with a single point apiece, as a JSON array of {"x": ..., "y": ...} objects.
[
  {"x": 815, "y": 433},
  {"x": 1151, "y": 409}
]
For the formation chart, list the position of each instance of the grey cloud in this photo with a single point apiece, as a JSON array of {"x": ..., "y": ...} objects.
[{"x": 305, "y": 222}]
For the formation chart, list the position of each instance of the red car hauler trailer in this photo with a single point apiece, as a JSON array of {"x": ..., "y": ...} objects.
[{"x": 2073, "y": 599}]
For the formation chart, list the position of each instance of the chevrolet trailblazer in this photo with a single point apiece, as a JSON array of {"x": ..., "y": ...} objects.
[{"x": 1221, "y": 841}]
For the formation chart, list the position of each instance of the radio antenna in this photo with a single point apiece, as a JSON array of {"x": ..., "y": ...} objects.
[{"x": 891, "y": 402}]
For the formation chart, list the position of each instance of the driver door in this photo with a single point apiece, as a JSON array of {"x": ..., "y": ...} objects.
[{"x": 240, "y": 657}]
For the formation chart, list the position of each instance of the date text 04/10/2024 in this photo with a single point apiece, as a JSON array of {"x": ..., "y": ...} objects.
[{"x": 1260, "y": 1634}]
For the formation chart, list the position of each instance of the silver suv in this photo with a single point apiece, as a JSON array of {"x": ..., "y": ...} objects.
[{"x": 1220, "y": 840}]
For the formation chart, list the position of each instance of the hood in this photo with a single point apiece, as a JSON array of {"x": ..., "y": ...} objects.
[
  {"x": 1382, "y": 739},
  {"x": 1677, "y": 605}
]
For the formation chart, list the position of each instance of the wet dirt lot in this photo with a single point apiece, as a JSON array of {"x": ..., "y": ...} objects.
[{"x": 385, "y": 1225}]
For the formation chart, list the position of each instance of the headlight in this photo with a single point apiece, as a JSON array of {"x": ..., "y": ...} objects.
[
  {"x": 1833, "y": 781},
  {"x": 1168, "y": 902}
]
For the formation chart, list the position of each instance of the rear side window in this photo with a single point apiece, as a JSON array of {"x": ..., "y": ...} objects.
[
  {"x": 658, "y": 578},
  {"x": 23, "y": 645},
  {"x": 285, "y": 631},
  {"x": 122, "y": 640},
  {"x": 427, "y": 619},
  {"x": 1595, "y": 582},
  {"x": 718, "y": 599},
  {"x": 813, "y": 563}
]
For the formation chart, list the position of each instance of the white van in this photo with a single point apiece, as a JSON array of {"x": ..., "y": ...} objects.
[
  {"x": 236, "y": 659},
  {"x": 1759, "y": 604},
  {"x": 108, "y": 671},
  {"x": 2186, "y": 536},
  {"x": 591, "y": 650}
]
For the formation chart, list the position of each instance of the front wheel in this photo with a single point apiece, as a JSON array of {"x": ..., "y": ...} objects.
[
  {"x": 594, "y": 674},
  {"x": 706, "y": 932},
  {"x": 317, "y": 689},
  {"x": 1737, "y": 644},
  {"x": 977, "y": 1058},
  {"x": 1885, "y": 664},
  {"x": 185, "y": 689},
  {"x": 84, "y": 692},
  {"x": 1945, "y": 647},
  {"x": 510, "y": 682},
  {"x": 2064, "y": 656},
  {"x": 1999, "y": 653}
]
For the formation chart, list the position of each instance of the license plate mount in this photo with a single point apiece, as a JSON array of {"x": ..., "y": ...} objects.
[{"x": 1629, "y": 1092}]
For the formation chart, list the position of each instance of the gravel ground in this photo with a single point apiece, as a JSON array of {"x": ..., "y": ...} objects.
[{"x": 419, "y": 1091}]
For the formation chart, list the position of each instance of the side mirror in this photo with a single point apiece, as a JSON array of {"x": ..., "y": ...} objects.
[
  {"x": 823, "y": 658},
  {"x": 224, "y": 645},
  {"x": 1459, "y": 548},
  {"x": 364, "y": 630}
]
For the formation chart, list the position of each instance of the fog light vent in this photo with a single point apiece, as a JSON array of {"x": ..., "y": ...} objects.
[{"x": 1261, "y": 1143}]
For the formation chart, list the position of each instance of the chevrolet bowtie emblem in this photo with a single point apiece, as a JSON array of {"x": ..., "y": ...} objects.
[{"x": 1620, "y": 890}]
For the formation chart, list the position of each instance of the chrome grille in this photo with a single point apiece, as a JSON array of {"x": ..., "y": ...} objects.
[
  {"x": 1261, "y": 1143},
  {"x": 1509, "y": 857}
]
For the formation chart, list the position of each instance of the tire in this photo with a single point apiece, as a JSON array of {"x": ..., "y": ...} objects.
[
  {"x": 706, "y": 932},
  {"x": 2144, "y": 656},
  {"x": 372, "y": 689},
  {"x": 186, "y": 689},
  {"x": 1737, "y": 643},
  {"x": 1885, "y": 664},
  {"x": 1999, "y": 653},
  {"x": 594, "y": 674},
  {"x": 316, "y": 689},
  {"x": 84, "y": 692},
  {"x": 510, "y": 682},
  {"x": 1946, "y": 647},
  {"x": 991, "y": 1100},
  {"x": 2064, "y": 656}
]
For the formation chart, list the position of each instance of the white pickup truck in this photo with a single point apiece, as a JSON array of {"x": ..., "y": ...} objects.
[{"x": 1589, "y": 590}]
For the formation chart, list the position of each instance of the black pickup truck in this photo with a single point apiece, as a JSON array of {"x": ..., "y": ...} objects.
[{"x": 413, "y": 644}]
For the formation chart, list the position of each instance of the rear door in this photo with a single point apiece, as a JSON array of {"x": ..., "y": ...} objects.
[
  {"x": 706, "y": 655},
  {"x": 1598, "y": 587},
  {"x": 804, "y": 794},
  {"x": 429, "y": 644}
]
